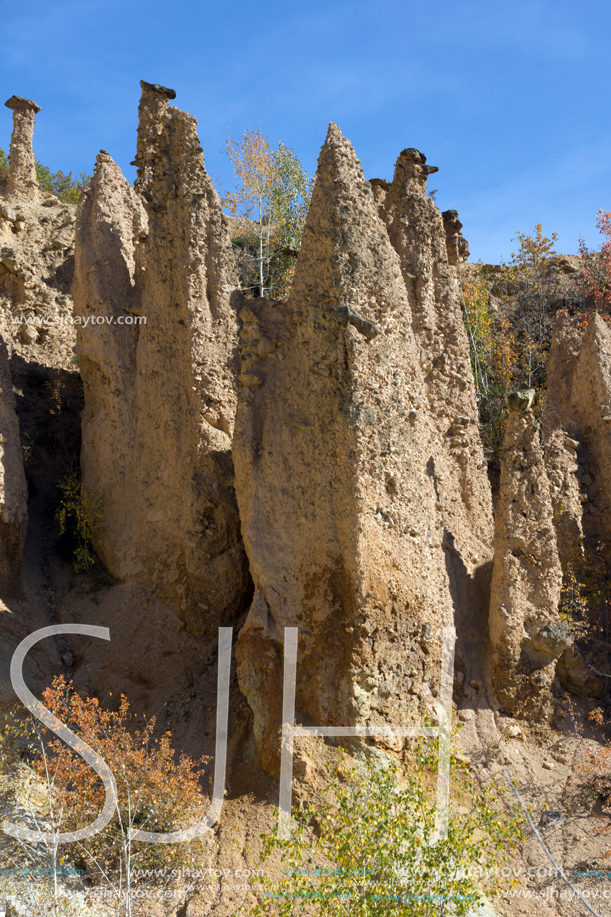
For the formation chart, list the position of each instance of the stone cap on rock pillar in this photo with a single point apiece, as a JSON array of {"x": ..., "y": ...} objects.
[
  {"x": 411, "y": 153},
  {"x": 520, "y": 401},
  {"x": 451, "y": 218},
  {"x": 153, "y": 112},
  {"x": 18, "y": 102},
  {"x": 416, "y": 156},
  {"x": 161, "y": 90},
  {"x": 22, "y": 175}
]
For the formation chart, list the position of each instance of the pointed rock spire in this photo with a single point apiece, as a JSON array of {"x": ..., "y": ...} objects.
[
  {"x": 525, "y": 630},
  {"x": 155, "y": 264},
  {"x": 337, "y": 502},
  {"x": 420, "y": 237}
]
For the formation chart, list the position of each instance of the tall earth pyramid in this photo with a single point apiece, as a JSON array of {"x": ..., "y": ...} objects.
[
  {"x": 22, "y": 176},
  {"x": 579, "y": 405},
  {"x": 332, "y": 444},
  {"x": 156, "y": 295},
  {"x": 431, "y": 248},
  {"x": 526, "y": 631}
]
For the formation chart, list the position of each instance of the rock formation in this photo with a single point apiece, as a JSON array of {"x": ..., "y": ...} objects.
[
  {"x": 36, "y": 257},
  {"x": 13, "y": 487},
  {"x": 577, "y": 431},
  {"x": 156, "y": 281},
  {"x": 36, "y": 271},
  {"x": 419, "y": 234},
  {"x": 579, "y": 404},
  {"x": 564, "y": 351},
  {"x": 22, "y": 176},
  {"x": 457, "y": 246},
  {"x": 380, "y": 189},
  {"x": 525, "y": 630},
  {"x": 560, "y": 433},
  {"x": 333, "y": 450},
  {"x": 36, "y": 336},
  {"x": 567, "y": 500}
]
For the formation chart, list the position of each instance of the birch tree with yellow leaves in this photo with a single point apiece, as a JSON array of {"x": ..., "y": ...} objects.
[{"x": 270, "y": 201}]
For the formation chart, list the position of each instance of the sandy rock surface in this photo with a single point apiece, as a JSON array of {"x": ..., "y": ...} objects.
[
  {"x": 362, "y": 492},
  {"x": 336, "y": 479},
  {"x": 155, "y": 273},
  {"x": 580, "y": 404},
  {"x": 427, "y": 244},
  {"x": 525, "y": 629}
]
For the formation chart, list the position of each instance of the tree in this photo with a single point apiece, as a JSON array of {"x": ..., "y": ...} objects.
[
  {"x": 533, "y": 286},
  {"x": 4, "y": 169},
  {"x": 595, "y": 279},
  {"x": 289, "y": 197},
  {"x": 61, "y": 184},
  {"x": 509, "y": 350},
  {"x": 270, "y": 201},
  {"x": 154, "y": 792},
  {"x": 368, "y": 849},
  {"x": 493, "y": 356}
]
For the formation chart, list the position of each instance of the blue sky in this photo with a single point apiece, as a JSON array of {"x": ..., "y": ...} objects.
[{"x": 509, "y": 99}]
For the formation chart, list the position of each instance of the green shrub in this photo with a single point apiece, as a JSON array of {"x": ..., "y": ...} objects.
[
  {"x": 4, "y": 169},
  {"x": 82, "y": 509},
  {"x": 61, "y": 184},
  {"x": 368, "y": 849}
]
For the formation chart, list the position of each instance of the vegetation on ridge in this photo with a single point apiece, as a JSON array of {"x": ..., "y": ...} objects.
[
  {"x": 270, "y": 203},
  {"x": 510, "y": 310},
  {"x": 62, "y": 184}
]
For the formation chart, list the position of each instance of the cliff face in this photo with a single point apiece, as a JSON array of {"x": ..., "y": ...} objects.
[
  {"x": 359, "y": 471},
  {"x": 564, "y": 352},
  {"x": 155, "y": 277},
  {"x": 335, "y": 485},
  {"x": 582, "y": 407},
  {"x": 577, "y": 432},
  {"x": 13, "y": 487},
  {"x": 416, "y": 230},
  {"x": 567, "y": 499},
  {"x": 36, "y": 335},
  {"x": 526, "y": 633}
]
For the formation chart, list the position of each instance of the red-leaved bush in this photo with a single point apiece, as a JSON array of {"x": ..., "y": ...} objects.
[{"x": 595, "y": 280}]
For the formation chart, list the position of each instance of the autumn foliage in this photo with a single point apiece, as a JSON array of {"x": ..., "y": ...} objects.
[
  {"x": 4, "y": 169},
  {"x": 595, "y": 278},
  {"x": 270, "y": 203},
  {"x": 510, "y": 341},
  {"x": 156, "y": 790}
]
